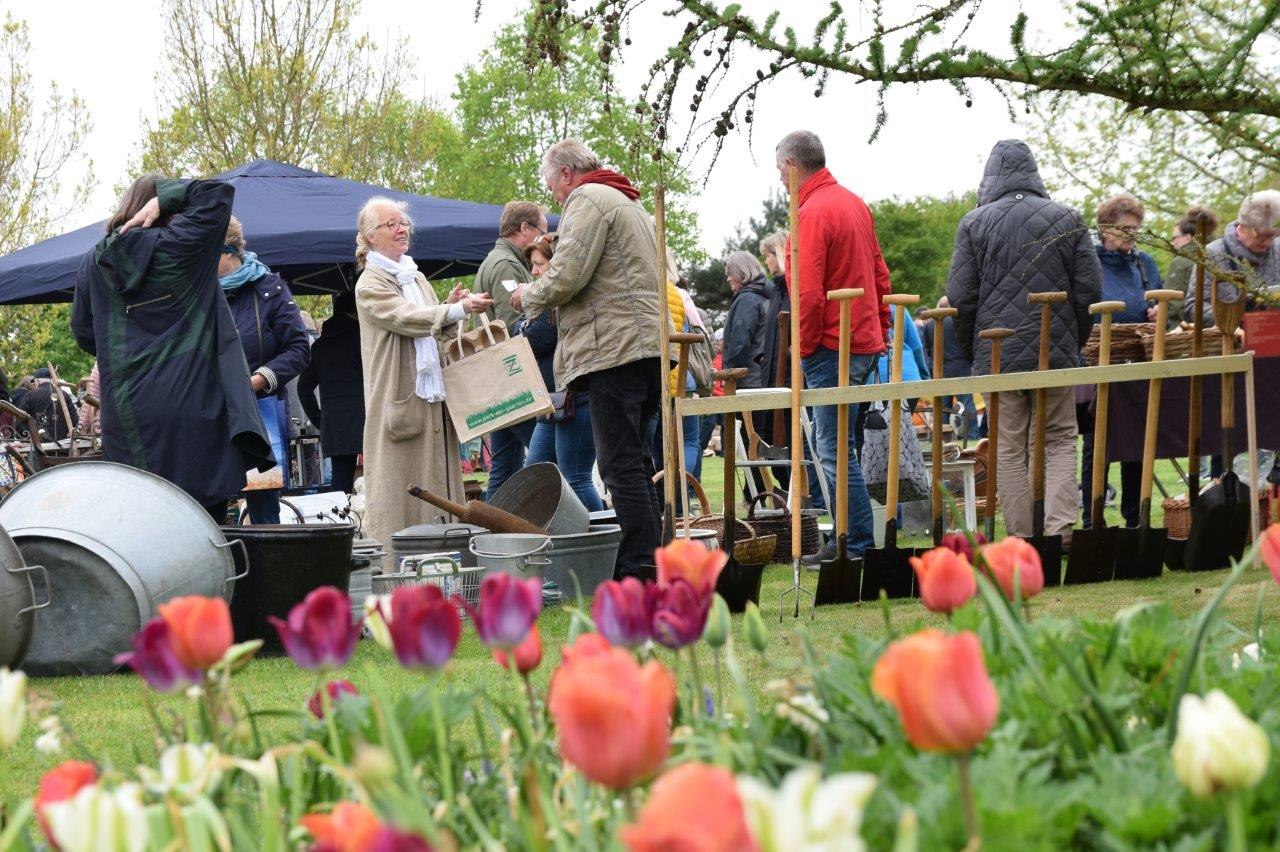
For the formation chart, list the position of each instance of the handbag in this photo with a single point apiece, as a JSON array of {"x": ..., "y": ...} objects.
[
  {"x": 700, "y": 367},
  {"x": 563, "y": 407},
  {"x": 913, "y": 474}
]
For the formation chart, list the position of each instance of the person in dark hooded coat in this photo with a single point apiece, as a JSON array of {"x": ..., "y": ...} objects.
[
  {"x": 336, "y": 370},
  {"x": 176, "y": 398},
  {"x": 1015, "y": 243}
]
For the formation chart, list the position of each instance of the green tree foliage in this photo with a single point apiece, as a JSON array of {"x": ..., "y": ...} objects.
[
  {"x": 917, "y": 236},
  {"x": 707, "y": 283}
]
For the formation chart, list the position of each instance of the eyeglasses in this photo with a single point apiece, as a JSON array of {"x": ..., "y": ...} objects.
[
  {"x": 541, "y": 233},
  {"x": 396, "y": 225}
]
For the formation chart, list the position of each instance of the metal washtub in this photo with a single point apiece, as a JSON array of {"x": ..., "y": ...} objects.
[
  {"x": 588, "y": 556},
  {"x": 541, "y": 495}
]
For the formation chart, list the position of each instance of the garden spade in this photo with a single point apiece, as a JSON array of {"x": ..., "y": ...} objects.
[
  {"x": 732, "y": 571},
  {"x": 797, "y": 445},
  {"x": 1093, "y": 550},
  {"x": 1140, "y": 552},
  {"x": 939, "y": 316},
  {"x": 840, "y": 579},
  {"x": 1175, "y": 549},
  {"x": 1048, "y": 546},
  {"x": 889, "y": 567},
  {"x": 669, "y": 449},
  {"x": 995, "y": 335}
]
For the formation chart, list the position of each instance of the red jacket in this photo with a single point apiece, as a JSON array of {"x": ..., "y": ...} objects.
[{"x": 838, "y": 249}]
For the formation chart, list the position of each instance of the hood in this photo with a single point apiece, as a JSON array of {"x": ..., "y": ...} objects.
[
  {"x": 124, "y": 260},
  {"x": 760, "y": 286},
  {"x": 1010, "y": 168}
]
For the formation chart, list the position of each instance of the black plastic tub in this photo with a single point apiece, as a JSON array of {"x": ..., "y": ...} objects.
[{"x": 286, "y": 563}]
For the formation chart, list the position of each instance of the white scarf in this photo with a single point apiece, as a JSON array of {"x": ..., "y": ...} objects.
[{"x": 429, "y": 384}]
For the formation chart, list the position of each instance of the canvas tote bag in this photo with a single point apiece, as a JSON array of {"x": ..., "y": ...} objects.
[
  {"x": 494, "y": 384},
  {"x": 913, "y": 474}
]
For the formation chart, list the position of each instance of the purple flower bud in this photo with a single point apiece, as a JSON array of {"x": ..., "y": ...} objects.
[
  {"x": 681, "y": 613},
  {"x": 154, "y": 658},
  {"x": 319, "y": 633},
  {"x": 623, "y": 611},
  {"x": 424, "y": 626},
  {"x": 508, "y": 608}
]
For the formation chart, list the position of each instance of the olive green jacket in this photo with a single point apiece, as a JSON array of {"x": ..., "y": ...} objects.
[{"x": 504, "y": 263}]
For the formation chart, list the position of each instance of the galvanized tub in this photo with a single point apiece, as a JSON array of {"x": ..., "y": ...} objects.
[
  {"x": 541, "y": 495},
  {"x": 17, "y": 603},
  {"x": 115, "y": 542},
  {"x": 434, "y": 538},
  {"x": 559, "y": 558}
]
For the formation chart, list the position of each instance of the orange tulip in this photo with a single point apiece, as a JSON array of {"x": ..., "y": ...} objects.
[
  {"x": 200, "y": 629},
  {"x": 692, "y": 808},
  {"x": 939, "y": 686},
  {"x": 349, "y": 827},
  {"x": 613, "y": 716},
  {"x": 1269, "y": 546},
  {"x": 945, "y": 578},
  {"x": 688, "y": 560},
  {"x": 1008, "y": 554},
  {"x": 528, "y": 653}
]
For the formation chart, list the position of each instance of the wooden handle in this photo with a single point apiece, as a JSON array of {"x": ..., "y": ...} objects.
[
  {"x": 1153, "y": 404},
  {"x": 797, "y": 379},
  {"x": 684, "y": 338},
  {"x": 900, "y": 299},
  {"x": 937, "y": 313},
  {"x": 1164, "y": 295},
  {"x": 995, "y": 334},
  {"x": 892, "y": 411},
  {"x": 939, "y": 316},
  {"x": 664, "y": 346},
  {"x": 734, "y": 373},
  {"x": 1100, "y": 417},
  {"x": 1047, "y": 298},
  {"x": 842, "y": 423},
  {"x": 845, "y": 294},
  {"x": 1106, "y": 308},
  {"x": 458, "y": 510}
]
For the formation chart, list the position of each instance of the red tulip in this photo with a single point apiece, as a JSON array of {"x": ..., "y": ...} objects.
[
  {"x": 424, "y": 627},
  {"x": 59, "y": 784},
  {"x": 939, "y": 686},
  {"x": 692, "y": 808},
  {"x": 508, "y": 608},
  {"x": 155, "y": 658},
  {"x": 1011, "y": 553},
  {"x": 528, "y": 654},
  {"x": 680, "y": 615},
  {"x": 349, "y": 827},
  {"x": 319, "y": 633},
  {"x": 336, "y": 689},
  {"x": 684, "y": 559},
  {"x": 200, "y": 628},
  {"x": 613, "y": 716},
  {"x": 945, "y": 578},
  {"x": 959, "y": 542},
  {"x": 390, "y": 839},
  {"x": 623, "y": 611},
  {"x": 1269, "y": 546}
]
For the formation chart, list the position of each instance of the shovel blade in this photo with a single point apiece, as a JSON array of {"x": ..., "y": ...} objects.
[
  {"x": 1093, "y": 556},
  {"x": 739, "y": 584},
  {"x": 1050, "y": 549},
  {"x": 839, "y": 579},
  {"x": 1219, "y": 526},
  {"x": 1140, "y": 552},
  {"x": 886, "y": 568}
]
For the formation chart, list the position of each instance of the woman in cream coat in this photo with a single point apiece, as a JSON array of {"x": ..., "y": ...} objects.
[{"x": 408, "y": 438}]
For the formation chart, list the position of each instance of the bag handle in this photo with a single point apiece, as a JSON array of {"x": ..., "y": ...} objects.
[{"x": 760, "y": 498}]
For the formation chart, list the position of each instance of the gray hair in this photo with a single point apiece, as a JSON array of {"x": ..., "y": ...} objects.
[
  {"x": 805, "y": 148},
  {"x": 743, "y": 266},
  {"x": 367, "y": 223},
  {"x": 1261, "y": 210},
  {"x": 774, "y": 244},
  {"x": 570, "y": 154}
]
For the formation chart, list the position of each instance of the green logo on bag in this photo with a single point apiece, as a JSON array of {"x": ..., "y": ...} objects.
[
  {"x": 513, "y": 365},
  {"x": 499, "y": 409}
]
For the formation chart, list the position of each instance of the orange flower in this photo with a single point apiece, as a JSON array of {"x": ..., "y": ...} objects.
[
  {"x": 945, "y": 578},
  {"x": 939, "y": 686},
  {"x": 692, "y": 808},
  {"x": 613, "y": 716},
  {"x": 59, "y": 784},
  {"x": 528, "y": 653},
  {"x": 688, "y": 560},
  {"x": 349, "y": 827},
  {"x": 200, "y": 629},
  {"x": 1008, "y": 554},
  {"x": 1269, "y": 546}
]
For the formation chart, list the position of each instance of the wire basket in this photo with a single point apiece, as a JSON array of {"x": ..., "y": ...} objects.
[{"x": 450, "y": 577}]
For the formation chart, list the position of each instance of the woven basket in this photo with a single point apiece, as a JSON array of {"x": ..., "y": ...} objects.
[
  {"x": 1177, "y": 516},
  {"x": 1178, "y": 343},
  {"x": 755, "y": 551},
  {"x": 1126, "y": 342},
  {"x": 778, "y": 522}
]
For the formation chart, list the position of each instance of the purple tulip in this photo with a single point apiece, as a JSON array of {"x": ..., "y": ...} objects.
[
  {"x": 153, "y": 657},
  {"x": 508, "y": 608},
  {"x": 389, "y": 839},
  {"x": 425, "y": 627},
  {"x": 681, "y": 614},
  {"x": 319, "y": 633},
  {"x": 337, "y": 689},
  {"x": 623, "y": 611}
]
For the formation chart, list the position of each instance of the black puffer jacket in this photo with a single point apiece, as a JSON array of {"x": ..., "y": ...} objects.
[
  {"x": 1018, "y": 242},
  {"x": 745, "y": 331}
]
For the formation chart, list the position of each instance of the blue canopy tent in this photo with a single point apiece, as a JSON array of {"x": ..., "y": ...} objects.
[{"x": 301, "y": 224}]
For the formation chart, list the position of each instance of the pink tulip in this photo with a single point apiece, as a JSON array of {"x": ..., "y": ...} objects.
[
  {"x": 1010, "y": 555},
  {"x": 945, "y": 578},
  {"x": 424, "y": 627},
  {"x": 319, "y": 633},
  {"x": 680, "y": 615},
  {"x": 959, "y": 542},
  {"x": 155, "y": 658},
  {"x": 336, "y": 689},
  {"x": 623, "y": 611},
  {"x": 508, "y": 608},
  {"x": 1269, "y": 547}
]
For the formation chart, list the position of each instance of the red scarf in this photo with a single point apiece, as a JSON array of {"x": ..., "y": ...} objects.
[{"x": 609, "y": 177}]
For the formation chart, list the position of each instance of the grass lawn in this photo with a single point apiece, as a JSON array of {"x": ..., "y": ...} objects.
[{"x": 109, "y": 715}]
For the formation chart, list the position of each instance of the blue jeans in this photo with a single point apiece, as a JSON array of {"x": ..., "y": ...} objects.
[
  {"x": 820, "y": 372},
  {"x": 263, "y": 506},
  {"x": 506, "y": 448},
  {"x": 570, "y": 445},
  {"x": 692, "y": 445}
]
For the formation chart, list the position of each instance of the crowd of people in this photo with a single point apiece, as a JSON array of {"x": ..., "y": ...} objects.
[{"x": 196, "y": 340}]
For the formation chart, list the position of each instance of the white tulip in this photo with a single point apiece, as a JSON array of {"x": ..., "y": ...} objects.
[
  {"x": 1218, "y": 747},
  {"x": 99, "y": 820},
  {"x": 188, "y": 767},
  {"x": 13, "y": 706},
  {"x": 377, "y": 617},
  {"x": 807, "y": 813}
]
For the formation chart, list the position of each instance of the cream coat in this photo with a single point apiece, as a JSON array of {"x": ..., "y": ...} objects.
[{"x": 407, "y": 440}]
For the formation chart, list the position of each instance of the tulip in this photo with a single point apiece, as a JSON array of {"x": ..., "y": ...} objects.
[
  {"x": 685, "y": 559},
  {"x": 1010, "y": 555},
  {"x": 377, "y": 617},
  {"x": 754, "y": 627},
  {"x": 189, "y": 767},
  {"x": 319, "y": 633},
  {"x": 528, "y": 654},
  {"x": 349, "y": 827},
  {"x": 623, "y": 611},
  {"x": 13, "y": 706},
  {"x": 390, "y": 839},
  {"x": 336, "y": 689},
  {"x": 508, "y": 608},
  {"x": 424, "y": 627},
  {"x": 1269, "y": 547},
  {"x": 1218, "y": 748},
  {"x": 692, "y": 808},
  {"x": 939, "y": 686},
  {"x": 155, "y": 658},
  {"x": 59, "y": 784},
  {"x": 806, "y": 812},
  {"x": 200, "y": 629},
  {"x": 717, "y": 632},
  {"x": 99, "y": 820},
  {"x": 681, "y": 613},
  {"x": 612, "y": 715},
  {"x": 945, "y": 578},
  {"x": 959, "y": 542}
]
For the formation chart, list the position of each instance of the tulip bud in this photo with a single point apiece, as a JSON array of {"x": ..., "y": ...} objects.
[
  {"x": 190, "y": 767},
  {"x": 753, "y": 626},
  {"x": 13, "y": 706},
  {"x": 1269, "y": 548},
  {"x": 377, "y": 615},
  {"x": 717, "y": 629},
  {"x": 373, "y": 764},
  {"x": 1218, "y": 747}
]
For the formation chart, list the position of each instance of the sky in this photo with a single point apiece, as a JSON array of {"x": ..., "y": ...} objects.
[{"x": 110, "y": 54}]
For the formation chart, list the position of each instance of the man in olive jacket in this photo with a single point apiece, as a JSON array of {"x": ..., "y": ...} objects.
[
  {"x": 521, "y": 223},
  {"x": 603, "y": 278}
]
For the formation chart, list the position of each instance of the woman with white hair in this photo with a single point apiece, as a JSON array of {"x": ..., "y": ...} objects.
[
  {"x": 1247, "y": 251},
  {"x": 408, "y": 437}
]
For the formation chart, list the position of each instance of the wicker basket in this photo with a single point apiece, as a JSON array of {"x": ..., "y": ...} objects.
[
  {"x": 1177, "y": 516},
  {"x": 1178, "y": 343},
  {"x": 755, "y": 551},
  {"x": 1126, "y": 342},
  {"x": 778, "y": 522}
]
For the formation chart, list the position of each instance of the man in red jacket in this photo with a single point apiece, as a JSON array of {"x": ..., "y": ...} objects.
[{"x": 838, "y": 249}]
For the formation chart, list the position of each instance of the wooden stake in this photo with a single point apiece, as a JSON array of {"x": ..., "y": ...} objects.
[{"x": 664, "y": 368}]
